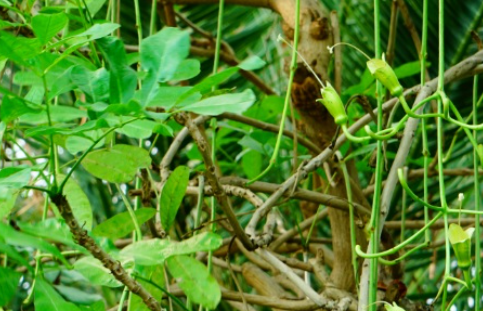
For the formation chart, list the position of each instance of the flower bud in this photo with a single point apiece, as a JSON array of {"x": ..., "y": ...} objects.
[
  {"x": 383, "y": 73},
  {"x": 331, "y": 100},
  {"x": 461, "y": 242}
]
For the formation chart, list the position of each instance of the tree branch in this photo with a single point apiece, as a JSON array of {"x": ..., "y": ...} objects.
[{"x": 82, "y": 238}]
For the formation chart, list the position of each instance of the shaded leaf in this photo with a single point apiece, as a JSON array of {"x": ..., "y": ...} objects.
[
  {"x": 47, "y": 299},
  {"x": 118, "y": 164},
  {"x": 122, "y": 78},
  {"x": 9, "y": 281},
  {"x": 14, "y": 237},
  {"x": 95, "y": 84},
  {"x": 121, "y": 224},
  {"x": 195, "y": 280},
  {"x": 172, "y": 195},
  {"x": 156, "y": 251}
]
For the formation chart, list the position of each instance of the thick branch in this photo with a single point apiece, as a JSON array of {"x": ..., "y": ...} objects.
[
  {"x": 211, "y": 175},
  {"x": 82, "y": 238}
]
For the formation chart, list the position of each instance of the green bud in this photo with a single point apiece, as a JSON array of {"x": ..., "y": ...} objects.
[
  {"x": 461, "y": 242},
  {"x": 383, "y": 72},
  {"x": 331, "y": 100}
]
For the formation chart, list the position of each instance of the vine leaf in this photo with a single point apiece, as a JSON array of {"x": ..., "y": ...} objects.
[
  {"x": 47, "y": 299},
  {"x": 122, "y": 78},
  {"x": 121, "y": 224},
  {"x": 195, "y": 280},
  {"x": 172, "y": 195},
  {"x": 156, "y": 251},
  {"x": 213, "y": 106},
  {"x": 17, "y": 238},
  {"x": 93, "y": 270},
  {"x": 118, "y": 164},
  {"x": 95, "y": 84},
  {"x": 9, "y": 281},
  {"x": 46, "y": 26},
  {"x": 161, "y": 54}
]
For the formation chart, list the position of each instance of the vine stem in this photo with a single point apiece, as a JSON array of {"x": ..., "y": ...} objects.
[
  {"x": 374, "y": 238},
  {"x": 293, "y": 67},
  {"x": 477, "y": 202}
]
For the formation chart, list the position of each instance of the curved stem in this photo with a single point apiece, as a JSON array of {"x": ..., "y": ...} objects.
[
  {"x": 79, "y": 160},
  {"x": 293, "y": 67},
  {"x": 408, "y": 190},
  {"x": 353, "y": 138},
  {"x": 399, "y": 259},
  {"x": 401, "y": 245}
]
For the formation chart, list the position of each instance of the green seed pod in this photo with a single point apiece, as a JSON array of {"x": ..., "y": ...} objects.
[
  {"x": 383, "y": 72},
  {"x": 461, "y": 242},
  {"x": 331, "y": 100}
]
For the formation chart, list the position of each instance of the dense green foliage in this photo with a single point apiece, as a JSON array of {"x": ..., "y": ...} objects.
[{"x": 88, "y": 113}]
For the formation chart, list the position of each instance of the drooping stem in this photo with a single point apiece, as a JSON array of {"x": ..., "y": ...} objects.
[
  {"x": 477, "y": 202},
  {"x": 293, "y": 67},
  {"x": 374, "y": 238}
]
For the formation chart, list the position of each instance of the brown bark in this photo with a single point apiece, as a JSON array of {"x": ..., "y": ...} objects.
[{"x": 316, "y": 122}]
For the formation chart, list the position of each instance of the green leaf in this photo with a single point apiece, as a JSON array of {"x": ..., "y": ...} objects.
[
  {"x": 122, "y": 78},
  {"x": 252, "y": 63},
  {"x": 156, "y": 251},
  {"x": 75, "y": 144},
  {"x": 213, "y": 106},
  {"x": 187, "y": 69},
  {"x": 161, "y": 54},
  {"x": 57, "y": 114},
  {"x": 9, "y": 281},
  {"x": 168, "y": 96},
  {"x": 14, "y": 237},
  {"x": 140, "y": 129},
  {"x": 152, "y": 279},
  {"x": 47, "y": 299},
  {"x": 13, "y": 254},
  {"x": 252, "y": 164},
  {"x": 3, "y": 127},
  {"x": 408, "y": 69},
  {"x": 98, "y": 31},
  {"x": 18, "y": 49},
  {"x": 95, "y": 84},
  {"x": 172, "y": 195},
  {"x": 208, "y": 83},
  {"x": 118, "y": 164},
  {"x": 93, "y": 270},
  {"x": 79, "y": 203},
  {"x": 121, "y": 224},
  {"x": 77, "y": 296},
  {"x": 14, "y": 177},
  {"x": 14, "y": 107},
  {"x": 46, "y": 26},
  {"x": 51, "y": 229},
  {"x": 195, "y": 280},
  {"x": 98, "y": 305}
]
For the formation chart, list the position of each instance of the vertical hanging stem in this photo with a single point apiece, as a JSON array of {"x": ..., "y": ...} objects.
[
  {"x": 374, "y": 239},
  {"x": 440, "y": 137},
  {"x": 477, "y": 203},
  {"x": 424, "y": 132}
]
